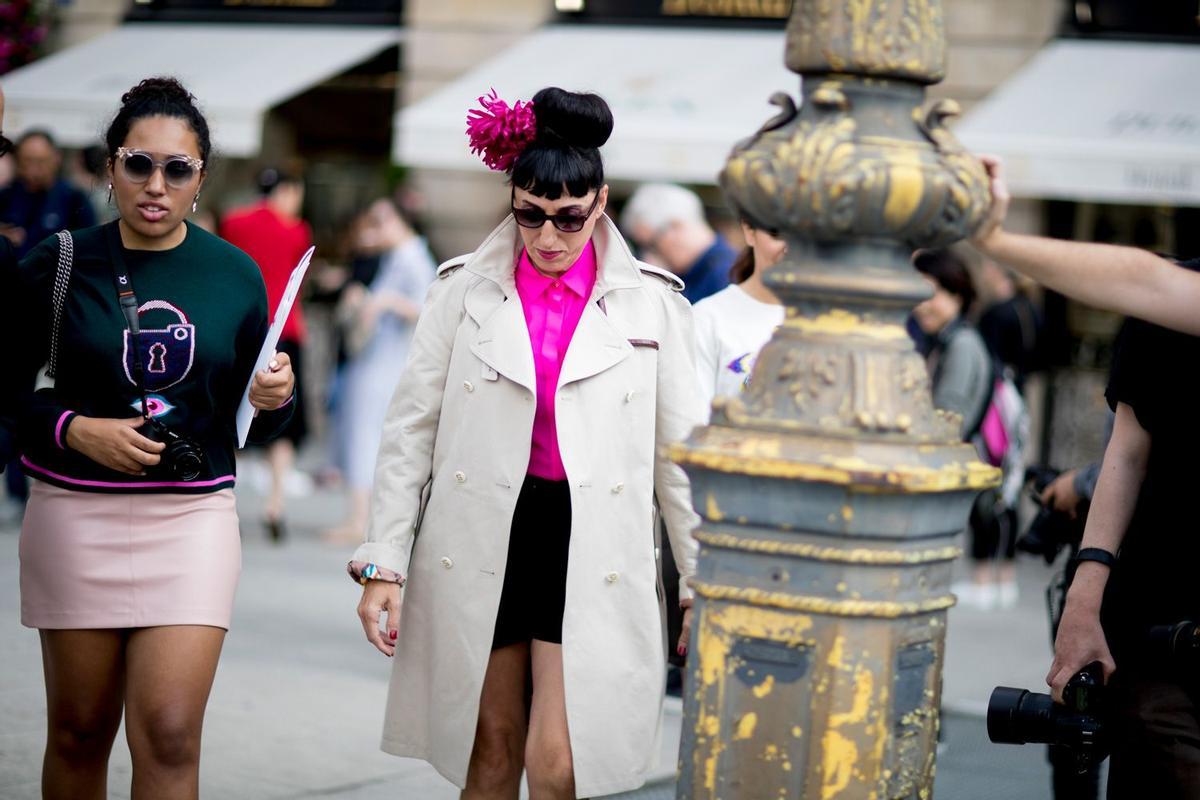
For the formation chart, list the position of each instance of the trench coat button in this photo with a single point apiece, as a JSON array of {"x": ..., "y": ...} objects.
[
  {"x": 470, "y": 387},
  {"x": 611, "y": 577},
  {"x": 460, "y": 476},
  {"x": 629, "y": 397},
  {"x": 620, "y": 487},
  {"x": 447, "y": 562}
]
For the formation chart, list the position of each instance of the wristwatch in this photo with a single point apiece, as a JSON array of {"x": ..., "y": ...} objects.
[{"x": 1095, "y": 554}]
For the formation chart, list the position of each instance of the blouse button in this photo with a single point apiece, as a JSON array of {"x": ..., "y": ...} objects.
[
  {"x": 620, "y": 487},
  {"x": 611, "y": 577},
  {"x": 470, "y": 387},
  {"x": 460, "y": 476},
  {"x": 447, "y": 562},
  {"x": 629, "y": 397}
]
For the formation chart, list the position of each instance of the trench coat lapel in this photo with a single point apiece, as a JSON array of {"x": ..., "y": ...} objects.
[
  {"x": 503, "y": 341},
  {"x": 596, "y": 346}
]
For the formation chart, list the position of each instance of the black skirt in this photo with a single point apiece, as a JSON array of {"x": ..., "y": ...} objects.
[{"x": 535, "y": 579}]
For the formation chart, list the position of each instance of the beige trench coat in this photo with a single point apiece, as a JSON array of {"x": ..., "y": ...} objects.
[{"x": 458, "y": 432}]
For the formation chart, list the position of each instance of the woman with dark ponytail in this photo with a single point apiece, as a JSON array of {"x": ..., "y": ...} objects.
[
  {"x": 524, "y": 445},
  {"x": 734, "y": 324},
  {"x": 130, "y": 551}
]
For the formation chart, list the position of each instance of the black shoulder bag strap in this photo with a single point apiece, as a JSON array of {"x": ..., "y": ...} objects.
[{"x": 129, "y": 307}]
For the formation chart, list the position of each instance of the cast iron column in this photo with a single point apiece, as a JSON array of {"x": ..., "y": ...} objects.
[{"x": 831, "y": 490}]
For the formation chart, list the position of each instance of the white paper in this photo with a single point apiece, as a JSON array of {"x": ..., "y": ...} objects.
[{"x": 245, "y": 412}]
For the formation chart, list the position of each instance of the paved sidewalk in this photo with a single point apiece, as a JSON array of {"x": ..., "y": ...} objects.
[{"x": 297, "y": 706}]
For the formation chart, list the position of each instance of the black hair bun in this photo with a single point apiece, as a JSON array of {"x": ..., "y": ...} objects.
[
  {"x": 577, "y": 119},
  {"x": 160, "y": 89}
]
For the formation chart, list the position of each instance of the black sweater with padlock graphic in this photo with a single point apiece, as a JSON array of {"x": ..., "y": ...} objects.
[{"x": 203, "y": 318}]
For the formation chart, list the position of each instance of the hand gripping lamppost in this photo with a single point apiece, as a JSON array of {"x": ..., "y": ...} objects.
[{"x": 832, "y": 491}]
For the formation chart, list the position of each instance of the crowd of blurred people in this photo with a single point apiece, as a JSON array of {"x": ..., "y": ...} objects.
[{"x": 978, "y": 325}]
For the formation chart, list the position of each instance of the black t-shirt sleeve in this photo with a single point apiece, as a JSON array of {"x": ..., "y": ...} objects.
[{"x": 1135, "y": 374}]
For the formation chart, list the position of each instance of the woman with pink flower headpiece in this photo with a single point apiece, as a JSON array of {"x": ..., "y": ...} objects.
[{"x": 519, "y": 480}]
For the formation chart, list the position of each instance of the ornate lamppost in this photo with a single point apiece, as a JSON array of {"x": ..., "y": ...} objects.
[{"x": 832, "y": 492}]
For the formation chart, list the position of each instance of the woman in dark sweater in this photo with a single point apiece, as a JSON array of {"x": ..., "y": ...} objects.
[
  {"x": 129, "y": 552},
  {"x": 962, "y": 373}
]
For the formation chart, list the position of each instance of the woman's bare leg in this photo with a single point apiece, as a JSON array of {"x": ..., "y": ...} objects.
[
  {"x": 85, "y": 684},
  {"x": 169, "y": 673},
  {"x": 550, "y": 770},
  {"x": 494, "y": 772}
]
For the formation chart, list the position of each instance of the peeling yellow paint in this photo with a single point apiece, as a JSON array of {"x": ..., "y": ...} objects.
[
  {"x": 853, "y": 607},
  {"x": 847, "y": 513},
  {"x": 797, "y": 731},
  {"x": 840, "y": 323},
  {"x": 745, "y": 726},
  {"x": 764, "y": 688},
  {"x": 864, "y": 681},
  {"x": 711, "y": 509},
  {"x": 844, "y": 555},
  {"x": 855, "y": 473},
  {"x": 840, "y": 754},
  {"x": 834, "y": 659}
]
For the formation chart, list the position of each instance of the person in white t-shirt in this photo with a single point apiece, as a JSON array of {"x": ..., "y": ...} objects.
[{"x": 733, "y": 324}]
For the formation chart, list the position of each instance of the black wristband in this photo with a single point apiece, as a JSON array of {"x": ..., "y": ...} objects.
[{"x": 1095, "y": 554}]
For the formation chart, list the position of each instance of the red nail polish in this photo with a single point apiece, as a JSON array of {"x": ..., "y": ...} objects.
[
  {"x": 681, "y": 650},
  {"x": 392, "y": 635}
]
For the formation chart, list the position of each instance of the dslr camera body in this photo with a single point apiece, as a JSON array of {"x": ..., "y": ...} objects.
[
  {"x": 1019, "y": 716},
  {"x": 181, "y": 459}
]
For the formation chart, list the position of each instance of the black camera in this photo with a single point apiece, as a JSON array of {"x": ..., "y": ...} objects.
[
  {"x": 181, "y": 459},
  {"x": 1050, "y": 531},
  {"x": 1177, "y": 645},
  {"x": 1019, "y": 716}
]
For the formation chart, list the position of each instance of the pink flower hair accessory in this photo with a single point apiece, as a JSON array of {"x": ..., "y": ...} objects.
[{"x": 499, "y": 133}]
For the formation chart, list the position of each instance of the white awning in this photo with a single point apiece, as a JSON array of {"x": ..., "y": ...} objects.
[
  {"x": 680, "y": 97},
  {"x": 237, "y": 72},
  {"x": 1097, "y": 120}
]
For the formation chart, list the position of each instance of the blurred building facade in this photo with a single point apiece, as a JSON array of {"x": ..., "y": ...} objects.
[{"x": 394, "y": 112}]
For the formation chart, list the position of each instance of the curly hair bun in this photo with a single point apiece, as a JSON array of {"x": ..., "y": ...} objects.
[
  {"x": 577, "y": 119},
  {"x": 158, "y": 96},
  {"x": 167, "y": 89}
]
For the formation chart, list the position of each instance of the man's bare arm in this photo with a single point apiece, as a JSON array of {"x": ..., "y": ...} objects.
[{"x": 1122, "y": 279}]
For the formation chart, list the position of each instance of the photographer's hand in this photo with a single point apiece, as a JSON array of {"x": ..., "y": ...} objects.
[
  {"x": 1060, "y": 494},
  {"x": 1080, "y": 639},
  {"x": 273, "y": 386},
  {"x": 114, "y": 443}
]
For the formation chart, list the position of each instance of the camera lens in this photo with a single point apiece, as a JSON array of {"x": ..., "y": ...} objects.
[
  {"x": 1019, "y": 716},
  {"x": 187, "y": 465}
]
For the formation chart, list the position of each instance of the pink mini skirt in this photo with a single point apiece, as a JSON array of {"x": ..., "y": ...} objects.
[{"x": 91, "y": 560}]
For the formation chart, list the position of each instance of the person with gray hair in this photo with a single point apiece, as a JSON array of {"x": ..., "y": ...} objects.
[{"x": 667, "y": 224}]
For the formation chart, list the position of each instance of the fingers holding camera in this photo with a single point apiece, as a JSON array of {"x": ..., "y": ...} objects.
[
  {"x": 114, "y": 443},
  {"x": 1079, "y": 642},
  {"x": 274, "y": 385}
]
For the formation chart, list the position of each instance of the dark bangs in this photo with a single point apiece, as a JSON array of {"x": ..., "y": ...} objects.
[{"x": 544, "y": 170}]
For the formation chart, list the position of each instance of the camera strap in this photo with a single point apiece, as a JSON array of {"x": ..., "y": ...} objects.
[{"x": 129, "y": 307}]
